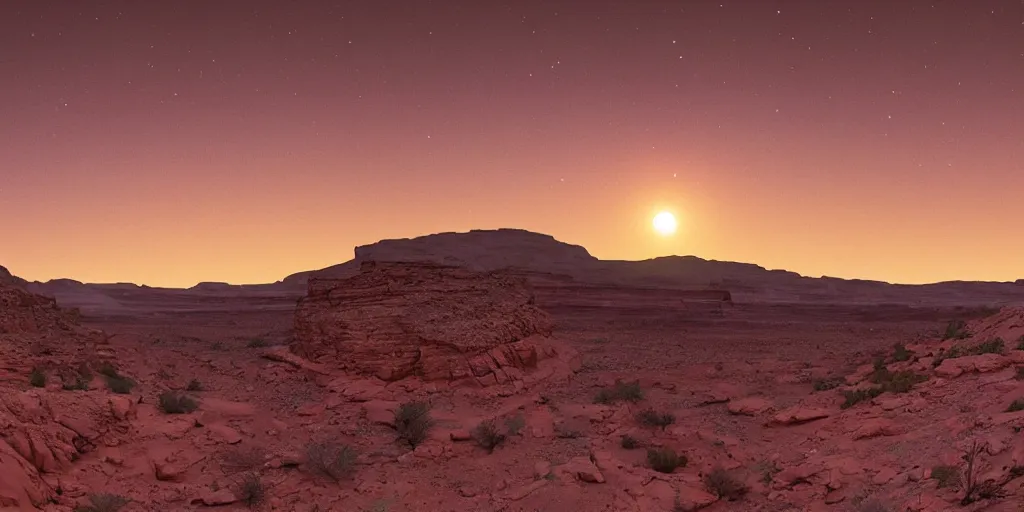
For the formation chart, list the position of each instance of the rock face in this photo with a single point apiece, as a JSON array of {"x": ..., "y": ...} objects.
[
  {"x": 42, "y": 432},
  {"x": 397, "y": 320}
]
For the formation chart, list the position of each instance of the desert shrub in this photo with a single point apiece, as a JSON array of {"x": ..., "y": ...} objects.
[
  {"x": 973, "y": 489},
  {"x": 900, "y": 353},
  {"x": 828, "y": 383},
  {"x": 487, "y": 436},
  {"x": 992, "y": 346},
  {"x": 665, "y": 460},
  {"x": 177, "y": 403},
  {"x": 257, "y": 343},
  {"x": 251, "y": 490},
  {"x": 333, "y": 460},
  {"x": 620, "y": 392},
  {"x": 946, "y": 476},
  {"x": 120, "y": 384},
  {"x": 724, "y": 485},
  {"x": 902, "y": 381},
  {"x": 108, "y": 369},
  {"x": 651, "y": 418},
  {"x": 194, "y": 385},
  {"x": 103, "y": 502},
  {"x": 37, "y": 378},
  {"x": 856, "y": 396},
  {"x": 956, "y": 330},
  {"x": 1020, "y": 343},
  {"x": 630, "y": 442},
  {"x": 1020, "y": 373},
  {"x": 413, "y": 422},
  {"x": 515, "y": 424},
  {"x": 1016, "y": 405},
  {"x": 768, "y": 469}
]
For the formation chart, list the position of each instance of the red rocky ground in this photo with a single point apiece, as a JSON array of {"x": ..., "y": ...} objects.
[{"x": 735, "y": 394}]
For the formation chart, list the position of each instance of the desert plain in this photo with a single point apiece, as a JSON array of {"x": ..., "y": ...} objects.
[{"x": 506, "y": 371}]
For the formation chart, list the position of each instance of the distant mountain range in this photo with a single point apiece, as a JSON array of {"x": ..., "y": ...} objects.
[{"x": 544, "y": 259}]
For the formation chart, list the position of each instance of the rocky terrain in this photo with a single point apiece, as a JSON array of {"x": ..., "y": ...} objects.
[{"x": 405, "y": 385}]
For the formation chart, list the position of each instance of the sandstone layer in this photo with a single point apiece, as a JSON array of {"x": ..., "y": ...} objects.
[{"x": 426, "y": 320}]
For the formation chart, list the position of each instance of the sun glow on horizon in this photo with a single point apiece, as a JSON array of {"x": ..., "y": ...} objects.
[{"x": 664, "y": 223}]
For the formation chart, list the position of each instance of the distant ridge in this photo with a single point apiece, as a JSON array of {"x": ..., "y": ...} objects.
[{"x": 544, "y": 258}]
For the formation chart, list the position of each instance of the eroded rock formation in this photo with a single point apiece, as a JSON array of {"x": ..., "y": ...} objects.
[
  {"x": 396, "y": 320},
  {"x": 43, "y": 432}
]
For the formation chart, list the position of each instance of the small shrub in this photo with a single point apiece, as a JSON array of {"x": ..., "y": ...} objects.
[
  {"x": 333, "y": 460},
  {"x": 108, "y": 369},
  {"x": 956, "y": 330},
  {"x": 251, "y": 490},
  {"x": 37, "y": 378},
  {"x": 856, "y": 396},
  {"x": 120, "y": 384},
  {"x": 257, "y": 343},
  {"x": 103, "y": 502},
  {"x": 515, "y": 424},
  {"x": 194, "y": 385},
  {"x": 217, "y": 345},
  {"x": 1017, "y": 405},
  {"x": 665, "y": 460},
  {"x": 620, "y": 392},
  {"x": 413, "y": 422},
  {"x": 768, "y": 470},
  {"x": 1020, "y": 373},
  {"x": 630, "y": 442},
  {"x": 177, "y": 403},
  {"x": 724, "y": 485},
  {"x": 1020, "y": 343},
  {"x": 487, "y": 436},
  {"x": 900, "y": 353},
  {"x": 828, "y": 383},
  {"x": 946, "y": 476},
  {"x": 902, "y": 381},
  {"x": 655, "y": 419},
  {"x": 993, "y": 346}
]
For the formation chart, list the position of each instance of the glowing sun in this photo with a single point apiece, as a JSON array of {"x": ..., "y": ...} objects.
[{"x": 665, "y": 223}]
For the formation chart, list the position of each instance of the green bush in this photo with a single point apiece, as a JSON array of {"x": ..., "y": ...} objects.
[
  {"x": 413, "y": 422},
  {"x": 630, "y": 442},
  {"x": 665, "y": 460},
  {"x": 724, "y": 485},
  {"x": 119, "y": 384},
  {"x": 651, "y": 418},
  {"x": 37, "y": 378},
  {"x": 956, "y": 330},
  {"x": 251, "y": 491},
  {"x": 828, "y": 383},
  {"x": 856, "y": 396},
  {"x": 620, "y": 392},
  {"x": 333, "y": 460},
  {"x": 900, "y": 353},
  {"x": 487, "y": 436},
  {"x": 177, "y": 403}
]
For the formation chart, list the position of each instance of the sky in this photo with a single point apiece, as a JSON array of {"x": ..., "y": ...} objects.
[{"x": 168, "y": 143}]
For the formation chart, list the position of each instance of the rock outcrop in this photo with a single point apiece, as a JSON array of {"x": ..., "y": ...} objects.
[
  {"x": 43, "y": 432},
  {"x": 426, "y": 320}
]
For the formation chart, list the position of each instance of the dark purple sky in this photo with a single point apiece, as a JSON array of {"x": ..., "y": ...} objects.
[{"x": 173, "y": 142}]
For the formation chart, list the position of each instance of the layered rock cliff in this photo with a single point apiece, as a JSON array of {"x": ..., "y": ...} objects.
[{"x": 435, "y": 322}]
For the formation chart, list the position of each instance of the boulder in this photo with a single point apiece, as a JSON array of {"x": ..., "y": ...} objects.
[{"x": 425, "y": 320}]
